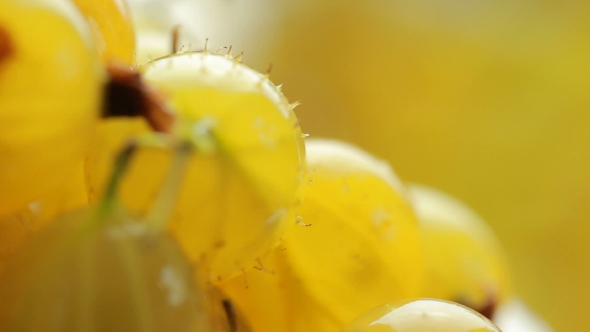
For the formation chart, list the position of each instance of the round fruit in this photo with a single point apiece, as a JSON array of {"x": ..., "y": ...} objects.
[
  {"x": 362, "y": 228},
  {"x": 112, "y": 29},
  {"x": 464, "y": 261},
  {"x": 50, "y": 88},
  {"x": 425, "y": 315},
  {"x": 247, "y": 173},
  {"x": 102, "y": 268},
  {"x": 355, "y": 223},
  {"x": 91, "y": 271}
]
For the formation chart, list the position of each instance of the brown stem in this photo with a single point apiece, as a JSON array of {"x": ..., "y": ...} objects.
[
  {"x": 488, "y": 309},
  {"x": 175, "y": 38},
  {"x": 128, "y": 95},
  {"x": 230, "y": 312}
]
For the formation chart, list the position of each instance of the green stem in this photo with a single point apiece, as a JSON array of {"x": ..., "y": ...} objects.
[
  {"x": 164, "y": 204},
  {"x": 109, "y": 200}
]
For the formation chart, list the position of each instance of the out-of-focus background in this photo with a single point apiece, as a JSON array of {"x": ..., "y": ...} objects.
[{"x": 487, "y": 100}]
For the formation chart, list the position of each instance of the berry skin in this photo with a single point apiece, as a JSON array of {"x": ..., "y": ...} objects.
[
  {"x": 112, "y": 29},
  {"x": 50, "y": 90},
  {"x": 103, "y": 268},
  {"x": 247, "y": 173},
  {"x": 424, "y": 315},
  {"x": 89, "y": 272},
  {"x": 355, "y": 223},
  {"x": 464, "y": 259},
  {"x": 363, "y": 229}
]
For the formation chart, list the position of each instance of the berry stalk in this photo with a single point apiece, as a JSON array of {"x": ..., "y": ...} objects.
[{"x": 165, "y": 202}]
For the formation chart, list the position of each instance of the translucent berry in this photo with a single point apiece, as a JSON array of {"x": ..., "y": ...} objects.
[
  {"x": 465, "y": 262},
  {"x": 425, "y": 315},
  {"x": 355, "y": 244},
  {"x": 112, "y": 29},
  {"x": 50, "y": 90},
  {"x": 247, "y": 172}
]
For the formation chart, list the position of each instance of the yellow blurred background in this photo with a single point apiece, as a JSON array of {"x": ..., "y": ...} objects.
[{"x": 486, "y": 100}]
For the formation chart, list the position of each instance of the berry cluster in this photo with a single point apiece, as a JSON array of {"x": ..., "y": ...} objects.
[{"x": 182, "y": 195}]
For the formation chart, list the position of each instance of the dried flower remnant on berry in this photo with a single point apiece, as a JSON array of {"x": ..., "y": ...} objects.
[
  {"x": 128, "y": 95},
  {"x": 488, "y": 309},
  {"x": 5, "y": 44}
]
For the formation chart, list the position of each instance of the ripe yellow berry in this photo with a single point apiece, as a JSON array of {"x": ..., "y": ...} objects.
[
  {"x": 50, "y": 88},
  {"x": 112, "y": 29},
  {"x": 363, "y": 228},
  {"x": 103, "y": 268},
  {"x": 357, "y": 230},
  {"x": 108, "y": 273},
  {"x": 248, "y": 170},
  {"x": 464, "y": 260},
  {"x": 425, "y": 315}
]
